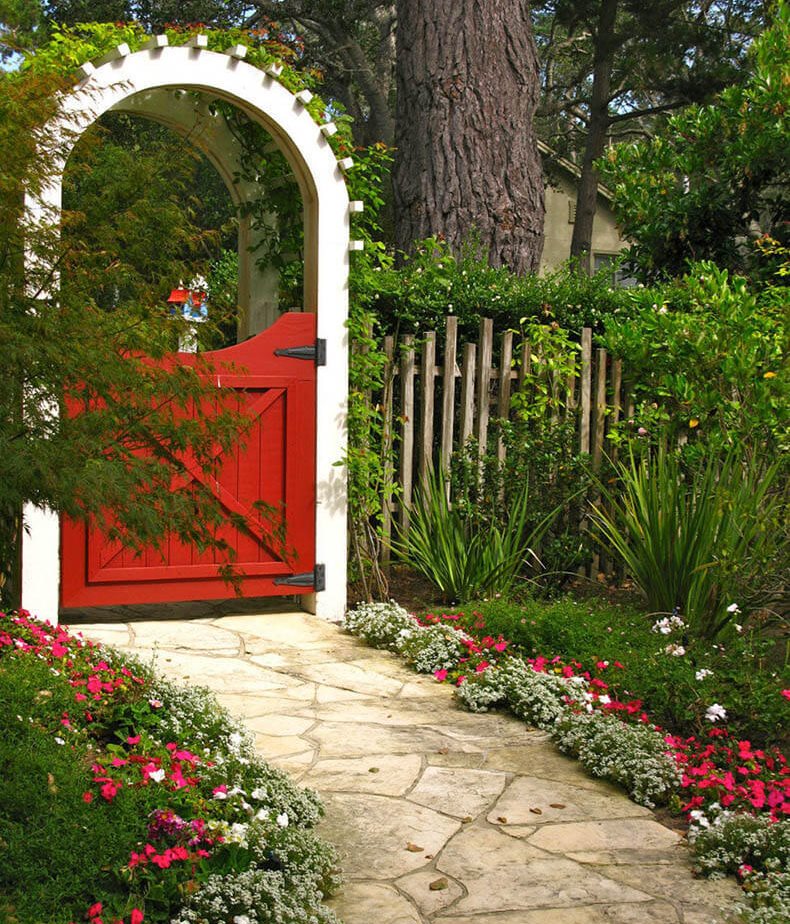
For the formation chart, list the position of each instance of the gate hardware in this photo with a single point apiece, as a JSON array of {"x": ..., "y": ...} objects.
[
  {"x": 315, "y": 578},
  {"x": 316, "y": 352}
]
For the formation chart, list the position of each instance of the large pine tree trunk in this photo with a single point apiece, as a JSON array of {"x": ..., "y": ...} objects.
[{"x": 467, "y": 159}]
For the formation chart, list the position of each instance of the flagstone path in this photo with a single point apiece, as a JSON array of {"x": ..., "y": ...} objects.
[{"x": 440, "y": 815}]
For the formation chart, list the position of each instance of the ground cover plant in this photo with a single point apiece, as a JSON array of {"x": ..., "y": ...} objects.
[
  {"x": 589, "y": 675},
  {"x": 127, "y": 799}
]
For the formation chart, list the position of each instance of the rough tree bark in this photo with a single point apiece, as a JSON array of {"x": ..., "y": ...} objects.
[{"x": 467, "y": 158}]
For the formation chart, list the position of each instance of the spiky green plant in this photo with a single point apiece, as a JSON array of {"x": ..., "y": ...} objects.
[
  {"x": 457, "y": 553},
  {"x": 698, "y": 540}
]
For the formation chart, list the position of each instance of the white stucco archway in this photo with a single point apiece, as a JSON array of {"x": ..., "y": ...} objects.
[{"x": 123, "y": 75}]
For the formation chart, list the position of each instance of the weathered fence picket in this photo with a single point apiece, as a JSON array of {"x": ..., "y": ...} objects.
[{"x": 422, "y": 428}]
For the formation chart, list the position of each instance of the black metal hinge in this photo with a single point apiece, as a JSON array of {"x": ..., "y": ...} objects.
[
  {"x": 315, "y": 579},
  {"x": 316, "y": 352}
]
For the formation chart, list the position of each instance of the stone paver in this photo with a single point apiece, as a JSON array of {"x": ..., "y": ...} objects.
[{"x": 509, "y": 831}]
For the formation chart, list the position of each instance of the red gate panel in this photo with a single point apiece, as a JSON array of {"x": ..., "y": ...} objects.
[{"x": 274, "y": 464}]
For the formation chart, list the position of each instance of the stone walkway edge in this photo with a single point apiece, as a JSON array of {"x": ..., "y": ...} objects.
[{"x": 439, "y": 815}]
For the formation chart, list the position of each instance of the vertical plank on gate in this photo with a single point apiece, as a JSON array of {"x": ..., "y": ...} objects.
[
  {"x": 448, "y": 390},
  {"x": 407, "y": 370},
  {"x": 386, "y": 451},
  {"x": 428, "y": 377},
  {"x": 617, "y": 403},
  {"x": 467, "y": 393},
  {"x": 600, "y": 408},
  {"x": 484, "y": 381},
  {"x": 503, "y": 408},
  {"x": 585, "y": 390}
]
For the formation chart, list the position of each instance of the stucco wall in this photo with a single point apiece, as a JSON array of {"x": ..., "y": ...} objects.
[{"x": 558, "y": 230}]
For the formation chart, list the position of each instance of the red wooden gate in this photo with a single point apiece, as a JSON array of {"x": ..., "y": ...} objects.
[{"x": 275, "y": 465}]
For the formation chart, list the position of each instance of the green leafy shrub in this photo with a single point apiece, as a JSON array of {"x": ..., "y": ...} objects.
[
  {"x": 708, "y": 367},
  {"x": 700, "y": 186},
  {"x": 420, "y": 293}
]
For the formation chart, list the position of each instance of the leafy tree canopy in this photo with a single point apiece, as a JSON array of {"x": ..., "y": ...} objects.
[{"x": 715, "y": 179}]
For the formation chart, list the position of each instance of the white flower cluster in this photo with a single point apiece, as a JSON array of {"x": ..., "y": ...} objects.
[
  {"x": 635, "y": 756},
  {"x": 715, "y": 713},
  {"x": 389, "y": 626},
  {"x": 668, "y": 624},
  {"x": 730, "y": 838},
  {"x": 210, "y": 726},
  {"x": 431, "y": 648},
  {"x": 535, "y": 697},
  {"x": 724, "y": 842},
  {"x": 264, "y": 895},
  {"x": 379, "y": 624}
]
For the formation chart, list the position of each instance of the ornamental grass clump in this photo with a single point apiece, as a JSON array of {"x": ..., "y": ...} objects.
[
  {"x": 696, "y": 538},
  {"x": 449, "y": 547}
]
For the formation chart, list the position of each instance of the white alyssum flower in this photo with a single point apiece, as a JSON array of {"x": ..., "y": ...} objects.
[
  {"x": 282, "y": 820},
  {"x": 234, "y": 740},
  {"x": 261, "y": 814},
  {"x": 733, "y": 608},
  {"x": 59, "y": 740},
  {"x": 241, "y": 919},
  {"x": 259, "y": 794},
  {"x": 604, "y": 700},
  {"x": 715, "y": 712},
  {"x": 702, "y": 673},
  {"x": 157, "y": 775}
]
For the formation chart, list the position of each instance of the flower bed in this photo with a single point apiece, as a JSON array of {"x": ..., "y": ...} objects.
[
  {"x": 719, "y": 781},
  {"x": 127, "y": 799}
]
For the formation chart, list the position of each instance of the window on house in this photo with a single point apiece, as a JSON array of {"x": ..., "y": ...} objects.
[{"x": 620, "y": 277}]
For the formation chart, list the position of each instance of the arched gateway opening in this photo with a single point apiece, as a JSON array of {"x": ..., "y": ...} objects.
[{"x": 142, "y": 82}]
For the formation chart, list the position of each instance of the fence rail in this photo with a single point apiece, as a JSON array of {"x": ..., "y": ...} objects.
[{"x": 434, "y": 401}]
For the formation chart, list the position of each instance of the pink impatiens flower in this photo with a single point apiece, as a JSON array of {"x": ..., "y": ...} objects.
[{"x": 440, "y": 675}]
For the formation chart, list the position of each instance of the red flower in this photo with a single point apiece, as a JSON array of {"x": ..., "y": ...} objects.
[
  {"x": 137, "y": 916},
  {"x": 94, "y": 910}
]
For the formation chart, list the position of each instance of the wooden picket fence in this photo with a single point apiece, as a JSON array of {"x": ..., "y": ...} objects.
[{"x": 432, "y": 405}]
